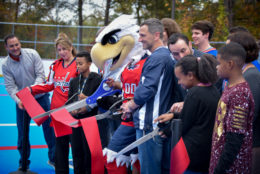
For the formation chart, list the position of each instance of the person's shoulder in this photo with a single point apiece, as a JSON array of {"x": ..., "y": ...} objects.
[
  {"x": 94, "y": 75},
  {"x": 162, "y": 54},
  {"x": 28, "y": 51},
  {"x": 162, "y": 50},
  {"x": 5, "y": 62},
  {"x": 241, "y": 88},
  {"x": 197, "y": 53},
  {"x": 56, "y": 62},
  {"x": 74, "y": 80},
  {"x": 204, "y": 91},
  {"x": 252, "y": 71},
  {"x": 213, "y": 52},
  {"x": 5, "y": 59},
  {"x": 195, "y": 90}
]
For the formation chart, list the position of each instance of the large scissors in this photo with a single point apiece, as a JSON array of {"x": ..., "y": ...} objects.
[
  {"x": 114, "y": 112},
  {"x": 91, "y": 101}
]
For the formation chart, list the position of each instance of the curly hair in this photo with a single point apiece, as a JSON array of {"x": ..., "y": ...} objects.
[{"x": 248, "y": 42}]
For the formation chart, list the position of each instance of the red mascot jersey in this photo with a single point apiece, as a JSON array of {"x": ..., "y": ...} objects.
[
  {"x": 58, "y": 81},
  {"x": 130, "y": 78}
]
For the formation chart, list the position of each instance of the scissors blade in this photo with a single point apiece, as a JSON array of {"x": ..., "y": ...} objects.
[
  {"x": 69, "y": 108},
  {"x": 138, "y": 142},
  {"x": 98, "y": 117}
]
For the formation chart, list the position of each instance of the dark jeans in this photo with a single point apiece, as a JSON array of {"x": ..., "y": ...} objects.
[
  {"x": 62, "y": 155},
  {"x": 47, "y": 130}
]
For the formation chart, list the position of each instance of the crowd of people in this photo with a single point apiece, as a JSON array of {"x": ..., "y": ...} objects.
[{"x": 216, "y": 94}]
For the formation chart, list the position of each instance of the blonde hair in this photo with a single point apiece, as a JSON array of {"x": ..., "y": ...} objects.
[{"x": 64, "y": 41}]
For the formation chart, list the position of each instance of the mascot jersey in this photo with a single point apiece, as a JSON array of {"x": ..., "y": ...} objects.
[
  {"x": 130, "y": 78},
  {"x": 58, "y": 81}
]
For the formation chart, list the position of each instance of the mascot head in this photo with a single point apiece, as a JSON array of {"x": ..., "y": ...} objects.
[{"x": 116, "y": 45}]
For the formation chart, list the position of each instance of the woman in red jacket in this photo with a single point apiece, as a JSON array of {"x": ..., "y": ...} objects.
[{"x": 61, "y": 72}]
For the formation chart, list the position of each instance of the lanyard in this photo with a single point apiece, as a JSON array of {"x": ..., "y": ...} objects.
[{"x": 80, "y": 89}]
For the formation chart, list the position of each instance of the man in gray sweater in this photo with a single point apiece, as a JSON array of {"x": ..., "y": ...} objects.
[{"x": 23, "y": 67}]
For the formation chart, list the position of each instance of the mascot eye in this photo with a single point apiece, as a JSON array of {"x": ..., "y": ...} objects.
[{"x": 113, "y": 39}]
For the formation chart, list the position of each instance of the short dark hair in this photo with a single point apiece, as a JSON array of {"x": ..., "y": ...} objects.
[
  {"x": 154, "y": 25},
  {"x": 170, "y": 26},
  {"x": 205, "y": 26},
  {"x": 204, "y": 67},
  {"x": 84, "y": 54},
  {"x": 238, "y": 29},
  {"x": 9, "y": 36},
  {"x": 233, "y": 51},
  {"x": 176, "y": 36},
  {"x": 247, "y": 41}
]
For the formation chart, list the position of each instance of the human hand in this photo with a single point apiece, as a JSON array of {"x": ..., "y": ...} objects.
[
  {"x": 125, "y": 107},
  {"x": 75, "y": 112},
  {"x": 82, "y": 96},
  {"x": 20, "y": 105},
  {"x": 164, "y": 117},
  {"x": 82, "y": 110},
  {"x": 177, "y": 107},
  {"x": 110, "y": 82}
]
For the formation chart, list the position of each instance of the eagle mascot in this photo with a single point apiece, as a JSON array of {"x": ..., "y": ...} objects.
[{"x": 120, "y": 56}]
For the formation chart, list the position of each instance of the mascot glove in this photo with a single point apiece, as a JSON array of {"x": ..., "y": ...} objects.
[
  {"x": 123, "y": 160},
  {"x": 134, "y": 158},
  {"x": 110, "y": 155}
]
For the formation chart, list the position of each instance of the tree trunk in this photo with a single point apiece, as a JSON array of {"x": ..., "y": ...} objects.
[
  {"x": 138, "y": 12},
  {"x": 173, "y": 9},
  {"x": 229, "y": 4},
  {"x": 17, "y": 4},
  {"x": 80, "y": 5},
  {"x": 107, "y": 13}
]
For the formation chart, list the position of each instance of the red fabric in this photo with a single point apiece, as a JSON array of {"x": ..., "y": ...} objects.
[
  {"x": 113, "y": 169},
  {"x": 15, "y": 58},
  {"x": 130, "y": 123},
  {"x": 130, "y": 78},
  {"x": 137, "y": 166},
  {"x": 60, "y": 129},
  {"x": 91, "y": 132},
  {"x": 65, "y": 118},
  {"x": 58, "y": 82},
  {"x": 179, "y": 158},
  {"x": 32, "y": 107}
]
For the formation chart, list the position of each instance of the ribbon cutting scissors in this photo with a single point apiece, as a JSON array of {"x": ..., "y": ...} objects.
[
  {"x": 114, "y": 112},
  {"x": 160, "y": 127},
  {"x": 91, "y": 101}
]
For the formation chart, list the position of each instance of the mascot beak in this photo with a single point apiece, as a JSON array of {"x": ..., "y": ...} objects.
[{"x": 117, "y": 51}]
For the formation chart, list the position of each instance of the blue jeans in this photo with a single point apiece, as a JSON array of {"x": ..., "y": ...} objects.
[
  {"x": 47, "y": 130},
  {"x": 122, "y": 137},
  {"x": 154, "y": 154}
]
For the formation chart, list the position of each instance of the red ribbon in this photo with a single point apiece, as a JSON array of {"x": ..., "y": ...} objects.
[
  {"x": 32, "y": 107},
  {"x": 65, "y": 118},
  {"x": 179, "y": 158},
  {"x": 59, "y": 123},
  {"x": 91, "y": 131}
]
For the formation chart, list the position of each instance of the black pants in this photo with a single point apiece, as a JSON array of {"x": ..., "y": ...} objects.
[
  {"x": 62, "y": 155},
  {"x": 80, "y": 152}
]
